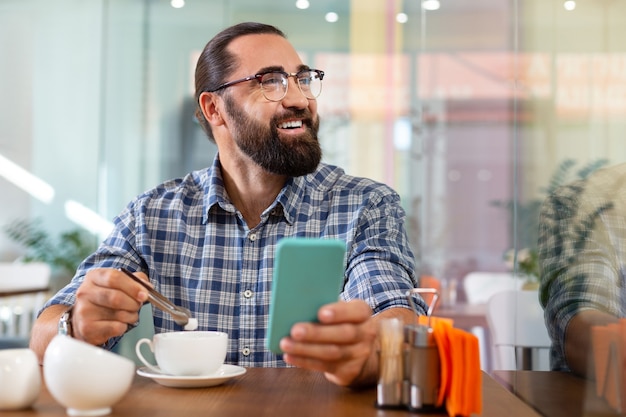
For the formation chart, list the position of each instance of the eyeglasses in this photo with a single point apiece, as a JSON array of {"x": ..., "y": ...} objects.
[{"x": 274, "y": 84}]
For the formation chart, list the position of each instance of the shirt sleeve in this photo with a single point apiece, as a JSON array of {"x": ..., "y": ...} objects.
[
  {"x": 578, "y": 234},
  {"x": 381, "y": 265},
  {"x": 116, "y": 251}
]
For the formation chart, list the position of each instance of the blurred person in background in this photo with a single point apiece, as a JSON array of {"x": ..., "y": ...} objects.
[{"x": 582, "y": 253}]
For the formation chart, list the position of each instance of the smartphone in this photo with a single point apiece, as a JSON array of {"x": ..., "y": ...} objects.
[{"x": 308, "y": 273}]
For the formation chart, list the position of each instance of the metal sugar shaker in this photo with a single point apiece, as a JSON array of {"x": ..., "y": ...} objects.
[{"x": 423, "y": 363}]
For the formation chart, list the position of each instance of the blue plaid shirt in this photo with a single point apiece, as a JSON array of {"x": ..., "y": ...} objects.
[{"x": 195, "y": 246}]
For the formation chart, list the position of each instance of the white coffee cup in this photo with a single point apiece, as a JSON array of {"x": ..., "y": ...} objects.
[
  {"x": 20, "y": 378},
  {"x": 186, "y": 353}
]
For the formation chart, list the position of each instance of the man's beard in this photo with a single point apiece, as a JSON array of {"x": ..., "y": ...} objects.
[{"x": 292, "y": 157}]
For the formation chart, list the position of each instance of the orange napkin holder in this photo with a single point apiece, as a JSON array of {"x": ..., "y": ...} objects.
[{"x": 441, "y": 367}]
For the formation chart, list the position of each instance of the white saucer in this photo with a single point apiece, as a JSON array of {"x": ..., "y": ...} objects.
[{"x": 223, "y": 374}]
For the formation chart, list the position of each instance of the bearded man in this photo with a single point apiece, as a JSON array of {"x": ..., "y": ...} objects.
[{"x": 207, "y": 241}]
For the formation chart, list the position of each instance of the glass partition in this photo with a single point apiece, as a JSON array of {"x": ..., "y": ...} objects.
[{"x": 472, "y": 111}]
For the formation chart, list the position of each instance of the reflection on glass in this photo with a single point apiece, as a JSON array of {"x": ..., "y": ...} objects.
[{"x": 457, "y": 108}]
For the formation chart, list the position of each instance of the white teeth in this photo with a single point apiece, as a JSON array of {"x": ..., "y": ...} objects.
[{"x": 292, "y": 124}]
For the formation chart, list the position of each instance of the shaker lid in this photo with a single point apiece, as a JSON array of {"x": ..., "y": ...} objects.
[{"x": 419, "y": 334}]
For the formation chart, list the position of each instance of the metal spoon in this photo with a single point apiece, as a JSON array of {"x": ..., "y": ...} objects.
[{"x": 181, "y": 315}]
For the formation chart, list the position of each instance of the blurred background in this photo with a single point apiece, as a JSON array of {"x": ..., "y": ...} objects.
[{"x": 471, "y": 110}]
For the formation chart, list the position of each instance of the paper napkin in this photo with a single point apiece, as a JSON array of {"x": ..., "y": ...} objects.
[{"x": 460, "y": 386}]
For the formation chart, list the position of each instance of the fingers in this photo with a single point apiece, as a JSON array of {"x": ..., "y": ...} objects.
[
  {"x": 354, "y": 311},
  {"x": 329, "y": 350},
  {"x": 113, "y": 287},
  {"x": 343, "y": 323},
  {"x": 98, "y": 331},
  {"x": 340, "y": 334},
  {"x": 106, "y": 303},
  {"x": 343, "y": 364},
  {"x": 339, "y": 345}
]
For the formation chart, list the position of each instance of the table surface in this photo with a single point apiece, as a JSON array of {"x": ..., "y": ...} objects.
[
  {"x": 556, "y": 394},
  {"x": 11, "y": 292},
  {"x": 274, "y": 392}
]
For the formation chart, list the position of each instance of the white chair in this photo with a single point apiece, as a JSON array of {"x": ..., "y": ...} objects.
[
  {"x": 23, "y": 290},
  {"x": 517, "y": 327},
  {"x": 479, "y": 287}
]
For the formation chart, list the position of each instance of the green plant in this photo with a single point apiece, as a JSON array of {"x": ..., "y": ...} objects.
[
  {"x": 64, "y": 253},
  {"x": 527, "y": 262},
  {"x": 526, "y": 214}
]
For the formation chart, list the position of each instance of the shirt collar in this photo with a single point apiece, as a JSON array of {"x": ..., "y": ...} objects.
[
  {"x": 214, "y": 191},
  {"x": 287, "y": 201}
]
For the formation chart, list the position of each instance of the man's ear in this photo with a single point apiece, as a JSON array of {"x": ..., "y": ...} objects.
[{"x": 209, "y": 104}]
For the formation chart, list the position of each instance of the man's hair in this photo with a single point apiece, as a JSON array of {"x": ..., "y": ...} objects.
[{"x": 216, "y": 63}]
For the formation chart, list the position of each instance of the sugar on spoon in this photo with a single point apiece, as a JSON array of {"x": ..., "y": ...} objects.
[{"x": 181, "y": 315}]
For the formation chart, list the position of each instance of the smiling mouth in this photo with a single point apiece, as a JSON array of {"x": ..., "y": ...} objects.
[{"x": 293, "y": 124}]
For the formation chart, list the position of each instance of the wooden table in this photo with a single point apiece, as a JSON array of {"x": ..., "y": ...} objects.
[
  {"x": 12, "y": 292},
  {"x": 270, "y": 392},
  {"x": 556, "y": 394}
]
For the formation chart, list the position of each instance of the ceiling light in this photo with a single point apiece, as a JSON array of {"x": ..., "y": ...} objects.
[
  {"x": 402, "y": 134},
  {"x": 28, "y": 182},
  {"x": 332, "y": 17},
  {"x": 402, "y": 18},
  {"x": 177, "y": 4},
  {"x": 302, "y": 4},
  {"x": 569, "y": 5},
  {"x": 87, "y": 218},
  {"x": 430, "y": 4}
]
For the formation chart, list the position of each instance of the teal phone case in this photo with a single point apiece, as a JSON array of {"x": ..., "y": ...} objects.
[{"x": 308, "y": 273}]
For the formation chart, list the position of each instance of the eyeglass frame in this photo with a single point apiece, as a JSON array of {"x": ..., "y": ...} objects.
[{"x": 260, "y": 75}]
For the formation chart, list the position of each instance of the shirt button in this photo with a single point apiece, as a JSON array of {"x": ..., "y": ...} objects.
[
  {"x": 245, "y": 351},
  {"x": 252, "y": 236},
  {"x": 247, "y": 293}
]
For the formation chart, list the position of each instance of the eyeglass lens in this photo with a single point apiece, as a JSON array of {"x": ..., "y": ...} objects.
[{"x": 274, "y": 84}]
